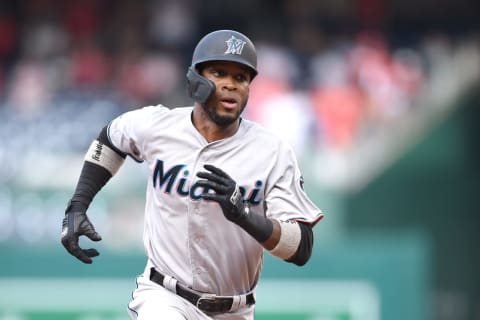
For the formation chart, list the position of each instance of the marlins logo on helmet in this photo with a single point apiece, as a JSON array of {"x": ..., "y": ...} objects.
[{"x": 234, "y": 46}]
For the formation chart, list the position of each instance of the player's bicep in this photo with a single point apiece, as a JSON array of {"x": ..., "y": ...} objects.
[
  {"x": 125, "y": 133},
  {"x": 288, "y": 201},
  {"x": 285, "y": 196},
  {"x": 104, "y": 139},
  {"x": 127, "y": 146}
]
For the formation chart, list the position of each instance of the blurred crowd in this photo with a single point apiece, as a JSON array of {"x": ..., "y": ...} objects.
[{"x": 328, "y": 85}]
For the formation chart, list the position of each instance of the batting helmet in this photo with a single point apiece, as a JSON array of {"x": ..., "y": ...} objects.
[{"x": 221, "y": 45}]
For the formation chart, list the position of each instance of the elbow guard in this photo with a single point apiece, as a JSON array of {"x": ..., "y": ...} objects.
[{"x": 295, "y": 244}]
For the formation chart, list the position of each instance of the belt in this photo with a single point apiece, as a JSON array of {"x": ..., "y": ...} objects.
[{"x": 209, "y": 303}]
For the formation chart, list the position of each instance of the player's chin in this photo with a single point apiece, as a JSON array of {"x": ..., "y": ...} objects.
[
  {"x": 224, "y": 120},
  {"x": 222, "y": 116},
  {"x": 227, "y": 115}
]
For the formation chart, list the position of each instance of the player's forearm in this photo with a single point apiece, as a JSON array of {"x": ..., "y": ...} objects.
[
  {"x": 274, "y": 237},
  {"x": 102, "y": 161},
  {"x": 91, "y": 181},
  {"x": 260, "y": 228}
]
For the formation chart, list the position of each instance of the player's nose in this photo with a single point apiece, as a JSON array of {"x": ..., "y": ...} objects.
[{"x": 229, "y": 83}]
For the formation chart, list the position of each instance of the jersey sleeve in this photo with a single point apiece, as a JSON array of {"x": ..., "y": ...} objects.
[
  {"x": 286, "y": 198},
  {"x": 130, "y": 131}
]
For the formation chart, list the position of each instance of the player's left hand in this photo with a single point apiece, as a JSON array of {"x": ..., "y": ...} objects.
[{"x": 227, "y": 192}]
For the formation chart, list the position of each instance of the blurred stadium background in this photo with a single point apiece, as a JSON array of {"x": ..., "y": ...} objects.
[{"x": 380, "y": 99}]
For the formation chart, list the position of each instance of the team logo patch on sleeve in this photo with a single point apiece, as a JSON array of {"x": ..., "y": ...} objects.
[{"x": 302, "y": 183}]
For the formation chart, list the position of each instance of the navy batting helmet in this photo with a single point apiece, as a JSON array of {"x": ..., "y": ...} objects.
[{"x": 221, "y": 45}]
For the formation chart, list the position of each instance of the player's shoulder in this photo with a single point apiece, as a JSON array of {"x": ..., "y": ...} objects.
[
  {"x": 255, "y": 128},
  {"x": 155, "y": 118},
  {"x": 263, "y": 135},
  {"x": 161, "y": 109},
  {"x": 159, "y": 112}
]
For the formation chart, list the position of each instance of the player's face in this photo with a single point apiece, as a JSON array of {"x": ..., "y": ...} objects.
[{"x": 232, "y": 83}]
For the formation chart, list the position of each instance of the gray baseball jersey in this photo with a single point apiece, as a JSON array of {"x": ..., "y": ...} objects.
[{"x": 187, "y": 237}]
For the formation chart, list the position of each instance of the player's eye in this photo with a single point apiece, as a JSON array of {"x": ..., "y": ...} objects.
[
  {"x": 218, "y": 72},
  {"x": 241, "y": 77}
]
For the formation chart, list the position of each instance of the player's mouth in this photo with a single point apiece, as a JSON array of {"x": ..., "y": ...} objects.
[{"x": 229, "y": 103}]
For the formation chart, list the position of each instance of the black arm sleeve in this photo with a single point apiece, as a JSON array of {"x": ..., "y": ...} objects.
[
  {"x": 92, "y": 178},
  {"x": 304, "y": 250}
]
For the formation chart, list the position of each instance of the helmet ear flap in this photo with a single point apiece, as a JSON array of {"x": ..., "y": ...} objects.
[{"x": 199, "y": 88}]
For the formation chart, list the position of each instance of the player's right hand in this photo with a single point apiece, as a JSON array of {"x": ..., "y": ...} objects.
[
  {"x": 76, "y": 224},
  {"x": 227, "y": 192}
]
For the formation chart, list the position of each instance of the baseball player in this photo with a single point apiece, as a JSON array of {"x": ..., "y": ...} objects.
[{"x": 221, "y": 190}]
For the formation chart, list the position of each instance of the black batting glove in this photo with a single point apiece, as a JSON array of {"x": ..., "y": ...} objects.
[
  {"x": 76, "y": 224},
  {"x": 227, "y": 192}
]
